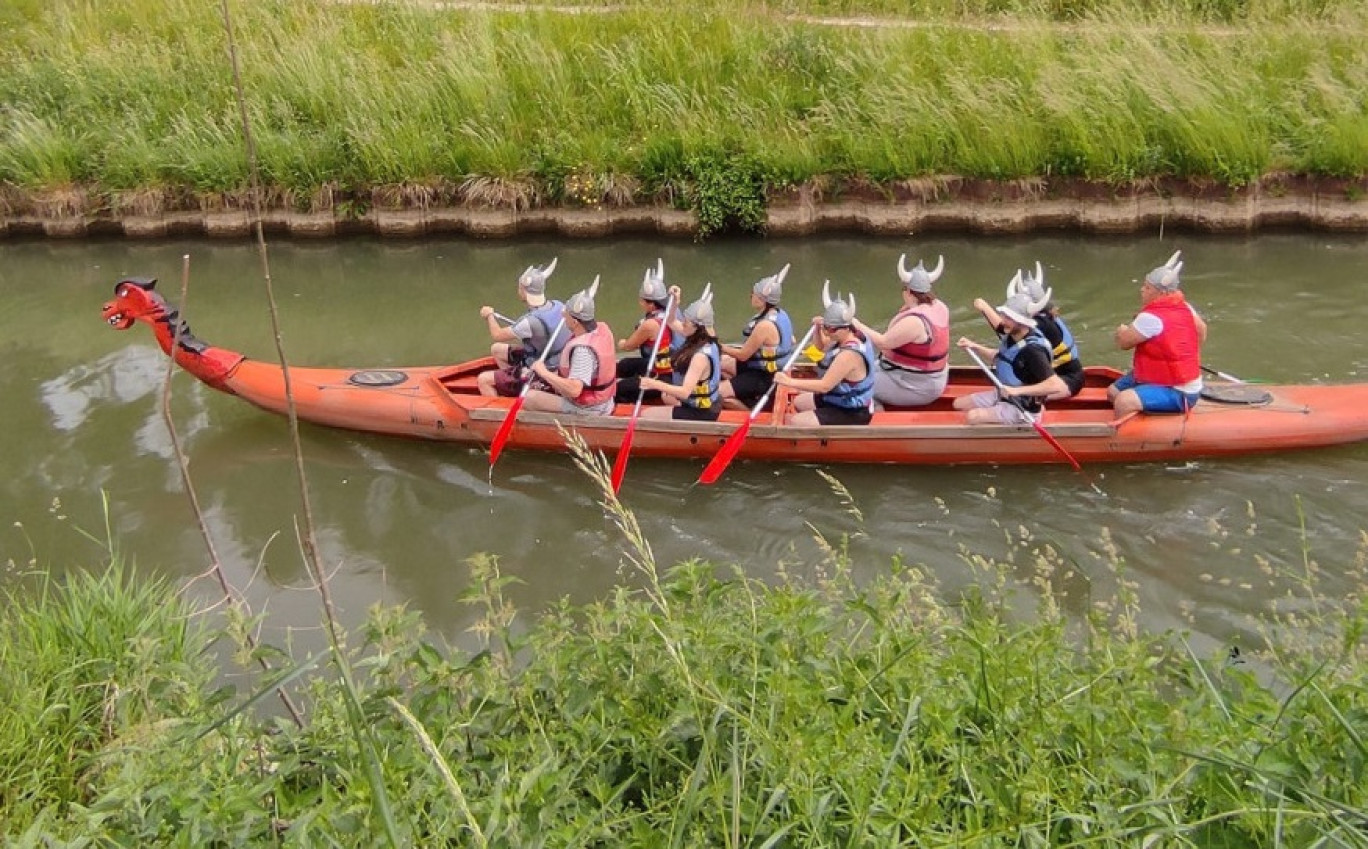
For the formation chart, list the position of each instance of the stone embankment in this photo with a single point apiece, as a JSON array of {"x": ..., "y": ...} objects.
[{"x": 988, "y": 208}]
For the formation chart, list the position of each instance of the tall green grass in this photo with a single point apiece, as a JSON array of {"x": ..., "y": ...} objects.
[
  {"x": 660, "y": 104},
  {"x": 89, "y": 665},
  {"x": 704, "y": 708}
]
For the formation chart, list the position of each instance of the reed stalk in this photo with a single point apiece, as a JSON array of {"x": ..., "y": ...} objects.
[{"x": 361, "y": 730}]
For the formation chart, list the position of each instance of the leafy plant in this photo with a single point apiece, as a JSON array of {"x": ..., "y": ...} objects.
[{"x": 729, "y": 192}]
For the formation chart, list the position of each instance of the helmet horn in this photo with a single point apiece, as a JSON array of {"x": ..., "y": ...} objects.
[{"x": 936, "y": 272}]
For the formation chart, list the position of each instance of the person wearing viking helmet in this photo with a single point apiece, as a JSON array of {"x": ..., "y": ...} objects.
[
  {"x": 519, "y": 345},
  {"x": 584, "y": 381},
  {"x": 914, "y": 352},
  {"x": 1021, "y": 362},
  {"x": 767, "y": 342},
  {"x": 654, "y": 298},
  {"x": 843, "y": 391},
  {"x": 1063, "y": 346},
  {"x": 1167, "y": 337},
  {"x": 695, "y": 392}
]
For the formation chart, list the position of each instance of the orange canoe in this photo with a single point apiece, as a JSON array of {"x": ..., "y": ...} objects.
[{"x": 441, "y": 403}]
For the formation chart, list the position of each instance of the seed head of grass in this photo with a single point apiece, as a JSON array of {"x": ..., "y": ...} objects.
[{"x": 596, "y": 467}]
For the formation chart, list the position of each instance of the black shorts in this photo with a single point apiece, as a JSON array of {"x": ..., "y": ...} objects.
[
  {"x": 631, "y": 367},
  {"x": 629, "y": 387},
  {"x": 685, "y": 413},
  {"x": 509, "y": 384},
  {"x": 829, "y": 415},
  {"x": 750, "y": 384},
  {"x": 1072, "y": 377}
]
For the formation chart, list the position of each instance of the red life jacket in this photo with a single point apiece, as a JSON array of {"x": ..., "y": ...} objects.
[
  {"x": 600, "y": 341},
  {"x": 927, "y": 357},
  {"x": 1174, "y": 357},
  {"x": 662, "y": 368}
]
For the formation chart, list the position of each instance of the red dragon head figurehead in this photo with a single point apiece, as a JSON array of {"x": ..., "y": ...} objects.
[{"x": 136, "y": 299}]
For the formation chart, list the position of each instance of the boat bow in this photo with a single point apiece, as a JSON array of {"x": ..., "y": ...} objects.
[{"x": 137, "y": 300}]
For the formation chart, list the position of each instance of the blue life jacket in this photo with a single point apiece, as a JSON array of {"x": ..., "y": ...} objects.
[
  {"x": 770, "y": 360},
  {"x": 708, "y": 392},
  {"x": 1056, "y": 332},
  {"x": 850, "y": 396},
  {"x": 1005, "y": 366},
  {"x": 544, "y": 319}
]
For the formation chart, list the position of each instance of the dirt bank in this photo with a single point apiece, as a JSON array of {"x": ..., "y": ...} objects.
[{"x": 941, "y": 204}]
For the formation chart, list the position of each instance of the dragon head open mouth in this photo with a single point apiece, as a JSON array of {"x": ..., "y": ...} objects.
[{"x": 134, "y": 298}]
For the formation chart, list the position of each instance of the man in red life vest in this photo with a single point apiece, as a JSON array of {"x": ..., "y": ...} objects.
[
  {"x": 1167, "y": 337},
  {"x": 584, "y": 381}
]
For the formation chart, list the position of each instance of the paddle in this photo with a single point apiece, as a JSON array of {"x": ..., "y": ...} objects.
[
  {"x": 506, "y": 429},
  {"x": 1030, "y": 417},
  {"x": 620, "y": 464},
  {"x": 723, "y": 458},
  {"x": 1230, "y": 378}
]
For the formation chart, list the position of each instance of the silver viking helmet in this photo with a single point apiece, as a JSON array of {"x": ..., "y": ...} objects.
[
  {"x": 1165, "y": 277},
  {"x": 581, "y": 304},
  {"x": 533, "y": 280},
  {"x": 1017, "y": 309},
  {"x": 653, "y": 284},
  {"x": 836, "y": 313},
  {"x": 1033, "y": 287},
  {"x": 771, "y": 289},
  {"x": 700, "y": 312},
  {"x": 918, "y": 279}
]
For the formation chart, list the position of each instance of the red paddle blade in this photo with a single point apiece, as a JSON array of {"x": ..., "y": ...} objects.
[
  {"x": 723, "y": 458},
  {"x": 1040, "y": 429},
  {"x": 620, "y": 464},
  {"x": 505, "y": 429}
]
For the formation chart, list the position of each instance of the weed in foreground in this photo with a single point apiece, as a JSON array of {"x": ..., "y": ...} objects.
[{"x": 712, "y": 709}]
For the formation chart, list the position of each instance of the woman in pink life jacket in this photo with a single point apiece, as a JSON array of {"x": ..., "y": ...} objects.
[{"x": 914, "y": 352}]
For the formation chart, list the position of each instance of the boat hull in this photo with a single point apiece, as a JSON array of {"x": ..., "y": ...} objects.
[{"x": 440, "y": 403}]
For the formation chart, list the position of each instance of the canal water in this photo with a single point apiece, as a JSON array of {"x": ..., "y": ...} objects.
[{"x": 1207, "y": 544}]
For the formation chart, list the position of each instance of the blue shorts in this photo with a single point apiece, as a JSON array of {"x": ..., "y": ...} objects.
[{"x": 1158, "y": 399}]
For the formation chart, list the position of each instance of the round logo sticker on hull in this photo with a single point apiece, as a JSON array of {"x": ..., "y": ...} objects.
[{"x": 377, "y": 377}]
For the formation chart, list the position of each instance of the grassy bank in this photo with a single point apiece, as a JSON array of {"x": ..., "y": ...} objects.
[
  {"x": 707, "y": 106},
  {"x": 703, "y": 709}
]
